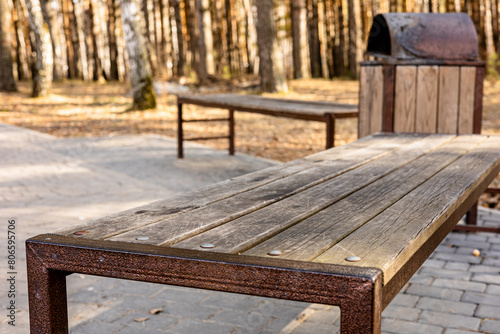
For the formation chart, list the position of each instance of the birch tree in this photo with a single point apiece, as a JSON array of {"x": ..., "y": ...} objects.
[
  {"x": 300, "y": 50},
  {"x": 271, "y": 67},
  {"x": 43, "y": 64},
  {"x": 50, "y": 11},
  {"x": 140, "y": 71}
]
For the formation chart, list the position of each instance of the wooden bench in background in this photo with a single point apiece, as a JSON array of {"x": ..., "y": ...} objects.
[
  {"x": 348, "y": 226},
  {"x": 325, "y": 112}
]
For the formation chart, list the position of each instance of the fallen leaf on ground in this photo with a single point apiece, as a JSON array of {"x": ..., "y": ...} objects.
[{"x": 155, "y": 310}]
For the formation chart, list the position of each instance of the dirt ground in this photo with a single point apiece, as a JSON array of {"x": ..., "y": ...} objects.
[{"x": 78, "y": 109}]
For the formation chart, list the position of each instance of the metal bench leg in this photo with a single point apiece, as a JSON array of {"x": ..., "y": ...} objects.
[
  {"x": 355, "y": 321},
  {"x": 231, "y": 132},
  {"x": 47, "y": 297},
  {"x": 362, "y": 313},
  {"x": 180, "y": 135},
  {"x": 471, "y": 218},
  {"x": 330, "y": 131}
]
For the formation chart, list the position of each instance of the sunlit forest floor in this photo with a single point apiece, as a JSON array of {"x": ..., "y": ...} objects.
[{"x": 78, "y": 109}]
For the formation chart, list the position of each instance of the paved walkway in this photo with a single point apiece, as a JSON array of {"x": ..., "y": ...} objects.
[{"x": 47, "y": 183}]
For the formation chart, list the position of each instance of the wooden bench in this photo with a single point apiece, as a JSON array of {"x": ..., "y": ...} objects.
[
  {"x": 325, "y": 112},
  {"x": 348, "y": 226}
]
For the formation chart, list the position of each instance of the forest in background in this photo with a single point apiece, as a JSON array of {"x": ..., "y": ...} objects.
[{"x": 203, "y": 40}]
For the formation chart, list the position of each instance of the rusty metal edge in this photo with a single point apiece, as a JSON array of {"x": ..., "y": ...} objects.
[
  {"x": 356, "y": 290},
  {"x": 392, "y": 287},
  {"x": 476, "y": 228},
  {"x": 81, "y": 244}
]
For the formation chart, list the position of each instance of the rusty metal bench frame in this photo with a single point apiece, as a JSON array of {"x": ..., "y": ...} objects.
[
  {"x": 357, "y": 290},
  {"x": 328, "y": 117}
]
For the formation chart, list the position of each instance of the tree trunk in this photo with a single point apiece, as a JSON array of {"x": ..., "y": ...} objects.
[
  {"x": 22, "y": 59},
  {"x": 207, "y": 30},
  {"x": 100, "y": 32},
  {"x": 300, "y": 51},
  {"x": 81, "y": 49},
  {"x": 189, "y": 14},
  {"x": 314, "y": 46},
  {"x": 220, "y": 42},
  {"x": 7, "y": 82},
  {"x": 51, "y": 10},
  {"x": 201, "y": 68},
  {"x": 488, "y": 29},
  {"x": 180, "y": 55},
  {"x": 147, "y": 7},
  {"x": 140, "y": 71},
  {"x": 94, "y": 35},
  {"x": 71, "y": 37},
  {"x": 229, "y": 35},
  {"x": 339, "y": 55},
  {"x": 271, "y": 67},
  {"x": 113, "y": 47},
  {"x": 42, "y": 67},
  {"x": 251, "y": 36},
  {"x": 497, "y": 26},
  {"x": 165, "y": 43},
  {"x": 355, "y": 48},
  {"x": 323, "y": 39},
  {"x": 330, "y": 36}
]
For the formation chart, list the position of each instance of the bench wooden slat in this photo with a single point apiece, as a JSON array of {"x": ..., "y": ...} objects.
[
  {"x": 412, "y": 220},
  {"x": 316, "y": 234},
  {"x": 237, "y": 102},
  {"x": 390, "y": 199},
  {"x": 153, "y": 212},
  {"x": 201, "y": 219},
  {"x": 245, "y": 232}
]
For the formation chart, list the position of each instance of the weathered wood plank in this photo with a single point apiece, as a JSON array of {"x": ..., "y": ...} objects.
[
  {"x": 204, "y": 218},
  {"x": 405, "y": 98},
  {"x": 467, "y": 90},
  {"x": 236, "y": 101},
  {"x": 449, "y": 80},
  {"x": 316, "y": 234},
  {"x": 427, "y": 99},
  {"x": 370, "y": 100},
  {"x": 153, "y": 212},
  {"x": 413, "y": 219},
  {"x": 245, "y": 232}
]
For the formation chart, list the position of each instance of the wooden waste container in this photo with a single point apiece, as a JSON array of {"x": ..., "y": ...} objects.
[{"x": 426, "y": 78}]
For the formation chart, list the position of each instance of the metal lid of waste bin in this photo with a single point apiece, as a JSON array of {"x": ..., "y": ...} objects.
[{"x": 450, "y": 36}]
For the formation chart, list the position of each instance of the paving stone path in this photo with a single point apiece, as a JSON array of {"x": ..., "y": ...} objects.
[{"x": 47, "y": 183}]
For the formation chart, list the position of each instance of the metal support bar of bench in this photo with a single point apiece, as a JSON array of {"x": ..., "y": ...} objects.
[
  {"x": 180, "y": 135},
  {"x": 206, "y": 138},
  {"x": 180, "y": 131},
  {"x": 330, "y": 130},
  {"x": 472, "y": 218},
  {"x": 205, "y": 120},
  {"x": 357, "y": 291}
]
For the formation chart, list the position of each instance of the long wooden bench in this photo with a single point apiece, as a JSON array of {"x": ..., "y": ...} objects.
[
  {"x": 325, "y": 112},
  {"x": 348, "y": 226}
]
